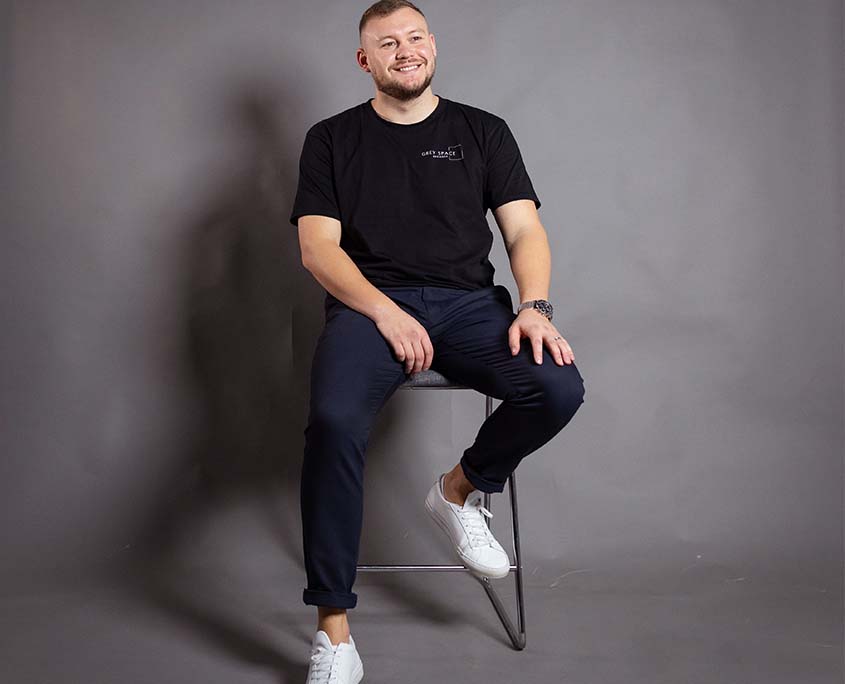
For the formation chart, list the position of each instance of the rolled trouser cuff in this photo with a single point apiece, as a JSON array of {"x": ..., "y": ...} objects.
[
  {"x": 329, "y": 599},
  {"x": 479, "y": 482}
]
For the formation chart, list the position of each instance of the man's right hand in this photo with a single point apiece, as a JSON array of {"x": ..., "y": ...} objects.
[{"x": 408, "y": 338}]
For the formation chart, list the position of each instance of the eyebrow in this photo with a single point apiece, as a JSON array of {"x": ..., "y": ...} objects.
[{"x": 417, "y": 30}]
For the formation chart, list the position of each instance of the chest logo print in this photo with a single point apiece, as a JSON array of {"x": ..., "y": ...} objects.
[{"x": 452, "y": 153}]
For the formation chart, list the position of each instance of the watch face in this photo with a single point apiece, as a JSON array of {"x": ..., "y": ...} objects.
[
  {"x": 544, "y": 308},
  {"x": 541, "y": 305}
]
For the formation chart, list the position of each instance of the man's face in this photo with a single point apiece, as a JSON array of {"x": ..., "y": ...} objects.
[{"x": 398, "y": 40}]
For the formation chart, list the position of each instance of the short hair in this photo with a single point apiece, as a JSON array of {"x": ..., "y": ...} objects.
[{"x": 383, "y": 8}]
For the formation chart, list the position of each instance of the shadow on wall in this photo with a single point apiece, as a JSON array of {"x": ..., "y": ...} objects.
[
  {"x": 244, "y": 283},
  {"x": 243, "y": 268}
]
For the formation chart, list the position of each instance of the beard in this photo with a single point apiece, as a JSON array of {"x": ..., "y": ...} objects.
[{"x": 401, "y": 91}]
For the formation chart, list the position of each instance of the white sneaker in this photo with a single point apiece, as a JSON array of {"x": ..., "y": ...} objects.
[
  {"x": 335, "y": 663},
  {"x": 473, "y": 541}
]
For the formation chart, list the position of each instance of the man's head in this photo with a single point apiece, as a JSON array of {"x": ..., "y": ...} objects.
[{"x": 394, "y": 34}]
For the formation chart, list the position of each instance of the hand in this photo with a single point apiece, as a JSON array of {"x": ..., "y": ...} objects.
[
  {"x": 408, "y": 338},
  {"x": 534, "y": 325}
]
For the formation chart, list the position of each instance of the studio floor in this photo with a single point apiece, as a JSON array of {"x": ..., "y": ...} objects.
[{"x": 172, "y": 624}]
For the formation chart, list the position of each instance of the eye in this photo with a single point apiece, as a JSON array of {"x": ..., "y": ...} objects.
[
  {"x": 390, "y": 42},
  {"x": 417, "y": 37}
]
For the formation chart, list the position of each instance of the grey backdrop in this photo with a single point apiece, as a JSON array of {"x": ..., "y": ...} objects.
[{"x": 158, "y": 326}]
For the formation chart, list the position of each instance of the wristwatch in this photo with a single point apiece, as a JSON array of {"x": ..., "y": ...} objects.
[{"x": 542, "y": 305}]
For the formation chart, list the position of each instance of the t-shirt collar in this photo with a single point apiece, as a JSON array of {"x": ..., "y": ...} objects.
[{"x": 441, "y": 105}]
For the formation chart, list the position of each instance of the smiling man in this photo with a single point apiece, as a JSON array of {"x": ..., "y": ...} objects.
[{"x": 391, "y": 209}]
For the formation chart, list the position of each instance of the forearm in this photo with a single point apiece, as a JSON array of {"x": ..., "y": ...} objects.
[
  {"x": 336, "y": 272},
  {"x": 531, "y": 263}
]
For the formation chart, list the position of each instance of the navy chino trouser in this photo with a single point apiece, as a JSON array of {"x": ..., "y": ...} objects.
[{"x": 354, "y": 373}]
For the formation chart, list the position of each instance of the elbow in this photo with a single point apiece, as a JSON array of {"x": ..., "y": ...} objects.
[
  {"x": 316, "y": 252},
  {"x": 306, "y": 256},
  {"x": 310, "y": 257},
  {"x": 528, "y": 232}
]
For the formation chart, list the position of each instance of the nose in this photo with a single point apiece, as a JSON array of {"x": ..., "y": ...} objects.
[{"x": 404, "y": 52}]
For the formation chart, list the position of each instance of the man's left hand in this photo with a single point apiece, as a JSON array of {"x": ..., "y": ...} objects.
[{"x": 532, "y": 324}]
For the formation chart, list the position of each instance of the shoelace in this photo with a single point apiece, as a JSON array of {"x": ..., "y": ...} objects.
[
  {"x": 477, "y": 529},
  {"x": 324, "y": 666}
]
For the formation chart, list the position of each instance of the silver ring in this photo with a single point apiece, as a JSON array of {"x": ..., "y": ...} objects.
[{"x": 557, "y": 338}]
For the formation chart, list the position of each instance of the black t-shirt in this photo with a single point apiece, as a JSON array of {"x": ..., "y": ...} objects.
[{"x": 412, "y": 199}]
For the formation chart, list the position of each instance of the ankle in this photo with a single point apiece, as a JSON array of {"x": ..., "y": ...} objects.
[
  {"x": 336, "y": 636},
  {"x": 333, "y": 622},
  {"x": 456, "y": 487}
]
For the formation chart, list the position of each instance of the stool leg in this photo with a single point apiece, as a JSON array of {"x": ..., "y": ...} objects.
[{"x": 517, "y": 636}]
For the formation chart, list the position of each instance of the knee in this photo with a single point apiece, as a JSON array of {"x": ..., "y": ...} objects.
[
  {"x": 562, "y": 393},
  {"x": 331, "y": 420}
]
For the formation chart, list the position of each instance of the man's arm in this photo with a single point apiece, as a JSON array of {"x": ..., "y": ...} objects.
[
  {"x": 328, "y": 262},
  {"x": 527, "y": 247},
  {"x": 531, "y": 263},
  {"x": 316, "y": 214}
]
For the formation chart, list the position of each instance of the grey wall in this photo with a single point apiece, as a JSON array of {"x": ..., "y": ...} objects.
[{"x": 158, "y": 326}]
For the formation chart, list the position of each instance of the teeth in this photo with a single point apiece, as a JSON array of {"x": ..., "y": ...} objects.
[{"x": 411, "y": 68}]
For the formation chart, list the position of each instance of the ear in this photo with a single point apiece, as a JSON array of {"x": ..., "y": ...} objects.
[{"x": 361, "y": 58}]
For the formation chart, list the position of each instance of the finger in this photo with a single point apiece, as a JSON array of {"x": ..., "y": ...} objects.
[
  {"x": 428, "y": 347},
  {"x": 556, "y": 351},
  {"x": 399, "y": 351},
  {"x": 409, "y": 355},
  {"x": 537, "y": 345},
  {"x": 558, "y": 348},
  {"x": 513, "y": 338},
  {"x": 419, "y": 356},
  {"x": 567, "y": 350}
]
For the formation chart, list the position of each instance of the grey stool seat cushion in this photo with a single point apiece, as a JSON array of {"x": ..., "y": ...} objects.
[{"x": 430, "y": 379}]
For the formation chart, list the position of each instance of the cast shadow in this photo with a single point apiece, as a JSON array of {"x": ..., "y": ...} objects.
[{"x": 245, "y": 296}]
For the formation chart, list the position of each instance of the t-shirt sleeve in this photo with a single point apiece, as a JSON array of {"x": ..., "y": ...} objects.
[
  {"x": 506, "y": 178},
  {"x": 315, "y": 192}
]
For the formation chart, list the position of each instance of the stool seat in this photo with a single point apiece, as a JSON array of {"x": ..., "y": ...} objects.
[{"x": 430, "y": 379}]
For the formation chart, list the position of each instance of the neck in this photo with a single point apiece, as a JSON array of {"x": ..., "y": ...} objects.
[{"x": 405, "y": 111}]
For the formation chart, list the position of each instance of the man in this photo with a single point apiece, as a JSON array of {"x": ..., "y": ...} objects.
[{"x": 391, "y": 210}]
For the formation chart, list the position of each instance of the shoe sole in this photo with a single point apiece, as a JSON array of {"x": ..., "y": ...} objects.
[{"x": 473, "y": 567}]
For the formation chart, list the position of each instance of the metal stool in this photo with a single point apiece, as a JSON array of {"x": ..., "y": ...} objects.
[{"x": 430, "y": 379}]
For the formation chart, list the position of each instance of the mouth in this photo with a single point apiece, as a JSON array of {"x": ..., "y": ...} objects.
[{"x": 410, "y": 69}]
